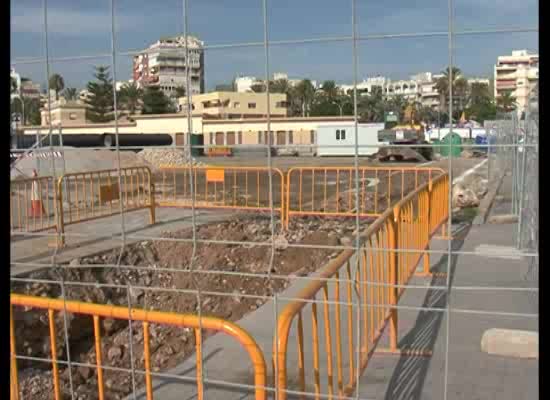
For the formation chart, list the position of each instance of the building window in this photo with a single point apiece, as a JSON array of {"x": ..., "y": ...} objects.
[
  {"x": 312, "y": 137},
  {"x": 340, "y": 134},
  {"x": 236, "y": 104},
  {"x": 251, "y": 105},
  {"x": 240, "y": 138},
  {"x": 290, "y": 138},
  {"x": 259, "y": 137}
]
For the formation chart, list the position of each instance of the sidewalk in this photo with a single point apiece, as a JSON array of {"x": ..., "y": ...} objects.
[{"x": 471, "y": 373}]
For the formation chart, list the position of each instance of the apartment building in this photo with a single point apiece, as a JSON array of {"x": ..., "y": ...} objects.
[
  {"x": 516, "y": 74},
  {"x": 244, "y": 84},
  {"x": 230, "y": 105},
  {"x": 164, "y": 64}
]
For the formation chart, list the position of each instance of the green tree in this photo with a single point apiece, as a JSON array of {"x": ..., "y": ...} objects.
[
  {"x": 130, "y": 97},
  {"x": 279, "y": 86},
  {"x": 330, "y": 90},
  {"x": 180, "y": 92},
  {"x": 397, "y": 104},
  {"x": 304, "y": 93},
  {"x": 56, "y": 83},
  {"x": 32, "y": 111},
  {"x": 156, "y": 102},
  {"x": 478, "y": 93},
  {"x": 506, "y": 102},
  {"x": 13, "y": 85},
  {"x": 459, "y": 86},
  {"x": 371, "y": 107},
  {"x": 100, "y": 101},
  {"x": 258, "y": 88},
  {"x": 70, "y": 93}
]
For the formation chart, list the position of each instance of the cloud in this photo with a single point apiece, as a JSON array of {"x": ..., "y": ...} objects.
[{"x": 70, "y": 22}]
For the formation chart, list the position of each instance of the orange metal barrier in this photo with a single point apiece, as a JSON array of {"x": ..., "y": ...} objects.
[
  {"x": 33, "y": 204},
  {"x": 85, "y": 196},
  {"x": 370, "y": 274},
  {"x": 240, "y": 188},
  {"x": 146, "y": 317},
  {"x": 330, "y": 191}
]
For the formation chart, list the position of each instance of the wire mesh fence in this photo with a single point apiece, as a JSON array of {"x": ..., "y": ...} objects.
[
  {"x": 158, "y": 294},
  {"x": 528, "y": 180}
]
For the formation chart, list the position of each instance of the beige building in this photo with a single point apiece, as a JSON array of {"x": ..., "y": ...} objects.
[
  {"x": 65, "y": 113},
  {"x": 229, "y": 105},
  {"x": 246, "y": 131},
  {"x": 517, "y": 74}
]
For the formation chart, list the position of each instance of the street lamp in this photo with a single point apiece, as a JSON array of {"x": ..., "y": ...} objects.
[{"x": 339, "y": 106}]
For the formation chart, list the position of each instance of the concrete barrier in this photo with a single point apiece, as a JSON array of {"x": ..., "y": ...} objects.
[{"x": 511, "y": 343}]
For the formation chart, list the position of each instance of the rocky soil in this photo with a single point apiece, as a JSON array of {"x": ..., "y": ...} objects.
[
  {"x": 160, "y": 267},
  {"x": 160, "y": 157}
]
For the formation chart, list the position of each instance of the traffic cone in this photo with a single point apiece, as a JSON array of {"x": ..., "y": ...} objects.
[{"x": 37, "y": 208}]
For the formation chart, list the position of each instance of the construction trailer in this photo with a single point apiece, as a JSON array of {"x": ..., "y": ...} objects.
[{"x": 338, "y": 139}]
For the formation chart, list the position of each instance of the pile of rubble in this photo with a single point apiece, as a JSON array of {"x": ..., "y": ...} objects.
[
  {"x": 165, "y": 266},
  {"x": 160, "y": 157},
  {"x": 469, "y": 191}
]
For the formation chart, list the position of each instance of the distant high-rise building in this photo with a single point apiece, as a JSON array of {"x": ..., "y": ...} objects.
[
  {"x": 517, "y": 74},
  {"x": 164, "y": 65}
]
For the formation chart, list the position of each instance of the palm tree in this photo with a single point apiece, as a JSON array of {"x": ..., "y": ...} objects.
[
  {"x": 459, "y": 85},
  {"x": 56, "y": 83},
  {"x": 371, "y": 107},
  {"x": 478, "y": 93},
  {"x": 506, "y": 102},
  {"x": 330, "y": 90},
  {"x": 279, "y": 86},
  {"x": 70, "y": 93},
  {"x": 131, "y": 96},
  {"x": 304, "y": 93}
]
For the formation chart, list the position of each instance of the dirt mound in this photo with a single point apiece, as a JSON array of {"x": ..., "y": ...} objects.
[{"x": 226, "y": 269}]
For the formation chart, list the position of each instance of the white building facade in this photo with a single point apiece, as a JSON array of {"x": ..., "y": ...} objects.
[
  {"x": 516, "y": 74},
  {"x": 164, "y": 65}
]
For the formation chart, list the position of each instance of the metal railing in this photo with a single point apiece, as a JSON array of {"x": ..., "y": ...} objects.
[
  {"x": 97, "y": 311},
  {"x": 236, "y": 188},
  {"x": 376, "y": 277},
  {"x": 331, "y": 191},
  {"x": 33, "y": 204},
  {"x": 86, "y": 196}
]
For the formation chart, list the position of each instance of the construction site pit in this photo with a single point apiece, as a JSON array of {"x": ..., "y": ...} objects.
[{"x": 163, "y": 275}]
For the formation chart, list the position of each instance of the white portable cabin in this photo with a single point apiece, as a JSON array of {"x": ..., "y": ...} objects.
[{"x": 338, "y": 139}]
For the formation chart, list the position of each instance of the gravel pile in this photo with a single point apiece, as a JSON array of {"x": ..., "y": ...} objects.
[{"x": 159, "y": 157}]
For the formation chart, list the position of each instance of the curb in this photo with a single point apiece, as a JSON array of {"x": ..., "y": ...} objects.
[{"x": 487, "y": 202}]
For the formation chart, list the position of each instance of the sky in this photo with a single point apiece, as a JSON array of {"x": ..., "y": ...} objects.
[{"x": 83, "y": 28}]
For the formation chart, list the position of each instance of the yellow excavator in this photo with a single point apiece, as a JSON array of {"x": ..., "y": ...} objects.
[{"x": 408, "y": 132}]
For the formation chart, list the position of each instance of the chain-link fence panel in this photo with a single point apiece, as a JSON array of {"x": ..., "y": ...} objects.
[{"x": 528, "y": 235}]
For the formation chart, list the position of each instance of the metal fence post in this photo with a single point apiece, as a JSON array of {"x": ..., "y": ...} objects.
[
  {"x": 425, "y": 222},
  {"x": 60, "y": 217},
  {"x": 393, "y": 242}
]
